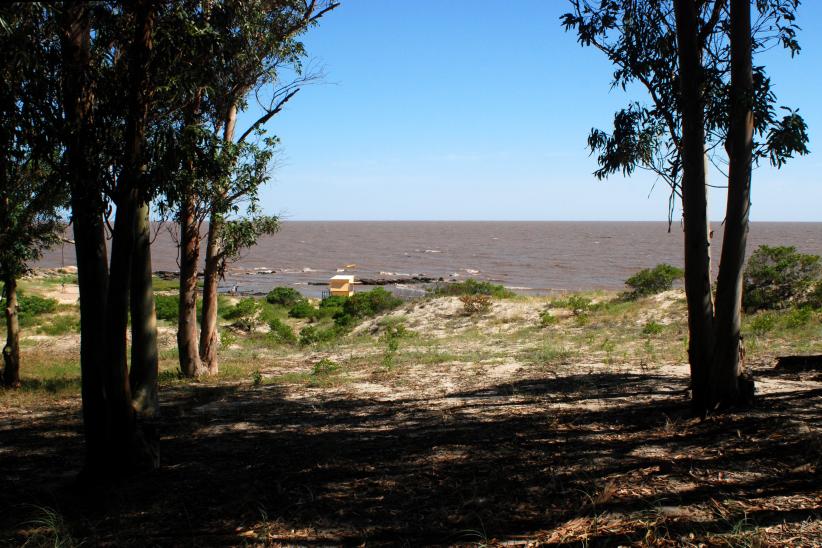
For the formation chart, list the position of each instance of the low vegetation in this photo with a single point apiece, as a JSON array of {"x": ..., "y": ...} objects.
[
  {"x": 650, "y": 281},
  {"x": 780, "y": 277}
]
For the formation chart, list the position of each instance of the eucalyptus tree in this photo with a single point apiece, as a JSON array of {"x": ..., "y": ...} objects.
[
  {"x": 31, "y": 196},
  {"x": 213, "y": 174},
  {"x": 691, "y": 58}
]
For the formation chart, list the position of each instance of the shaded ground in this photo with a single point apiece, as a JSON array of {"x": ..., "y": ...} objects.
[{"x": 600, "y": 456}]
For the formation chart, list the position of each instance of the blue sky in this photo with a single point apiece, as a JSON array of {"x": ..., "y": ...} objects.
[{"x": 458, "y": 110}]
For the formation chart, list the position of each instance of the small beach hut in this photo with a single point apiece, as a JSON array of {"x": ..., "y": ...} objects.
[{"x": 341, "y": 285}]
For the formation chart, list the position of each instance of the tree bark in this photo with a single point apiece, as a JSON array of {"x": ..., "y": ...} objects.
[
  {"x": 695, "y": 204},
  {"x": 725, "y": 372},
  {"x": 86, "y": 216},
  {"x": 189, "y": 355},
  {"x": 144, "y": 358},
  {"x": 122, "y": 419},
  {"x": 213, "y": 264},
  {"x": 11, "y": 351}
]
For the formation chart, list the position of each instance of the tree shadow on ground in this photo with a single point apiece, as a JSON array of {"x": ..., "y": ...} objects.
[{"x": 608, "y": 458}]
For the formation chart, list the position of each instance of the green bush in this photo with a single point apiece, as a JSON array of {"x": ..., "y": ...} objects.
[
  {"x": 370, "y": 303},
  {"x": 334, "y": 301},
  {"x": 650, "y": 281},
  {"x": 577, "y": 304},
  {"x": 284, "y": 296},
  {"x": 311, "y": 334},
  {"x": 779, "y": 277},
  {"x": 245, "y": 309},
  {"x": 652, "y": 328},
  {"x": 34, "y": 305},
  {"x": 61, "y": 325},
  {"x": 303, "y": 309},
  {"x": 798, "y": 317},
  {"x": 474, "y": 287},
  {"x": 762, "y": 323},
  {"x": 325, "y": 367},
  {"x": 281, "y": 331},
  {"x": 167, "y": 307},
  {"x": 546, "y": 319}
]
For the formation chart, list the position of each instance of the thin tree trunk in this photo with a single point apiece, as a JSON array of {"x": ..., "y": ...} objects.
[
  {"x": 208, "y": 329},
  {"x": 89, "y": 236},
  {"x": 695, "y": 204},
  {"x": 122, "y": 420},
  {"x": 187, "y": 349},
  {"x": 144, "y": 359},
  {"x": 11, "y": 352},
  {"x": 725, "y": 373}
]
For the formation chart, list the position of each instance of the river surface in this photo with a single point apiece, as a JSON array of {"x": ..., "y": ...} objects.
[{"x": 529, "y": 257}]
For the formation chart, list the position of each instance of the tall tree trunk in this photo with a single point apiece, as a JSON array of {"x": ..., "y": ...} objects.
[
  {"x": 122, "y": 420},
  {"x": 11, "y": 352},
  {"x": 213, "y": 264},
  {"x": 208, "y": 327},
  {"x": 695, "y": 204},
  {"x": 144, "y": 359},
  {"x": 725, "y": 373},
  {"x": 89, "y": 235},
  {"x": 189, "y": 354}
]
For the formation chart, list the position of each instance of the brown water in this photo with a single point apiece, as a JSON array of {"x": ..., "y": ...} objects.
[{"x": 537, "y": 257}]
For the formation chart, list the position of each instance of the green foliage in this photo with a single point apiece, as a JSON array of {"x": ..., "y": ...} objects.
[
  {"x": 281, "y": 331},
  {"x": 325, "y": 367},
  {"x": 61, "y": 324},
  {"x": 639, "y": 39},
  {"x": 256, "y": 377},
  {"x": 650, "y": 281},
  {"x": 393, "y": 331},
  {"x": 474, "y": 287},
  {"x": 762, "y": 323},
  {"x": 798, "y": 317},
  {"x": 312, "y": 334},
  {"x": 577, "y": 304},
  {"x": 547, "y": 319},
  {"x": 779, "y": 277},
  {"x": 245, "y": 308},
  {"x": 29, "y": 306},
  {"x": 167, "y": 307},
  {"x": 284, "y": 296},
  {"x": 652, "y": 328},
  {"x": 475, "y": 304},
  {"x": 303, "y": 310},
  {"x": 370, "y": 303}
]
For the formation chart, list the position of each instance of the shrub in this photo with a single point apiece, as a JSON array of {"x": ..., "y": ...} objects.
[
  {"x": 777, "y": 277},
  {"x": 474, "y": 287},
  {"x": 34, "y": 305},
  {"x": 546, "y": 319},
  {"x": 762, "y": 323},
  {"x": 577, "y": 304},
  {"x": 650, "y": 281},
  {"x": 311, "y": 334},
  {"x": 60, "y": 325},
  {"x": 302, "y": 309},
  {"x": 325, "y": 367},
  {"x": 475, "y": 304},
  {"x": 652, "y": 328},
  {"x": 281, "y": 331},
  {"x": 334, "y": 301},
  {"x": 284, "y": 296},
  {"x": 370, "y": 303},
  {"x": 798, "y": 318},
  {"x": 244, "y": 309},
  {"x": 167, "y": 307}
]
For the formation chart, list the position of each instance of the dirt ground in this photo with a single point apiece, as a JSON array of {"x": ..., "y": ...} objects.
[{"x": 482, "y": 449}]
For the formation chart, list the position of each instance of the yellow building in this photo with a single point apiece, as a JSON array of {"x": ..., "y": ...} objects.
[{"x": 341, "y": 285}]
